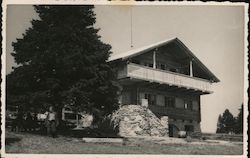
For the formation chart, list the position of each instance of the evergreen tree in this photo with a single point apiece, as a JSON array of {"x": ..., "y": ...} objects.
[
  {"x": 239, "y": 121},
  {"x": 219, "y": 125},
  {"x": 62, "y": 61},
  {"x": 226, "y": 122}
]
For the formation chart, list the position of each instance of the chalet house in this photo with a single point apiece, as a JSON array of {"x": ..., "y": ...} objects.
[{"x": 169, "y": 78}]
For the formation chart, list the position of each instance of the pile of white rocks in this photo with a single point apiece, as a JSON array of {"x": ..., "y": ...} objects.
[{"x": 136, "y": 120}]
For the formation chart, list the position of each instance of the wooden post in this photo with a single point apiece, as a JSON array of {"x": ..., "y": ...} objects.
[
  {"x": 191, "y": 68},
  {"x": 137, "y": 96},
  {"x": 63, "y": 114},
  {"x": 77, "y": 119},
  {"x": 154, "y": 58}
]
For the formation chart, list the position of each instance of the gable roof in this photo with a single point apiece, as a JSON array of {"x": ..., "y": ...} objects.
[{"x": 141, "y": 50}]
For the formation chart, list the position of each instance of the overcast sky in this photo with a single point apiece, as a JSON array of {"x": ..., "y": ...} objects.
[{"x": 213, "y": 33}]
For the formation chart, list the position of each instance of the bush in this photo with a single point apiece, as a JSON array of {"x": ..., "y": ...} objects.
[{"x": 106, "y": 128}]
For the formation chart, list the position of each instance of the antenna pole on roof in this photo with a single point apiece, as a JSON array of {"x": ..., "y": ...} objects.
[{"x": 131, "y": 27}]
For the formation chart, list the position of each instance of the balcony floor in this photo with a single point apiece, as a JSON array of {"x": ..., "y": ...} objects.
[{"x": 134, "y": 82}]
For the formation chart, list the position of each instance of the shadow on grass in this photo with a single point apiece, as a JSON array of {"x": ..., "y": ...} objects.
[{"x": 9, "y": 141}]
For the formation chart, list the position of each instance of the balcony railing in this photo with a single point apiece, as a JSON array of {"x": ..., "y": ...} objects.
[
  {"x": 164, "y": 77},
  {"x": 179, "y": 113}
]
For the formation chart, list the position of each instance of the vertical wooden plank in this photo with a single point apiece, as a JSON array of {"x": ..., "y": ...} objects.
[
  {"x": 191, "y": 68},
  {"x": 154, "y": 58}
]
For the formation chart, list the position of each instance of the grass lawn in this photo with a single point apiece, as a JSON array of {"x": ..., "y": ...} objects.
[{"x": 37, "y": 144}]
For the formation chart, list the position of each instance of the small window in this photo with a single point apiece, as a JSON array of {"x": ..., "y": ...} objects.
[
  {"x": 169, "y": 102},
  {"x": 151, "y": 98},
  {"x": 191, "y": 121},
  {"x": 70, "y": 116},
  {"x": 185, "y": 105},
  {"x": 195, "y": 105},
  {"x": 188, "y": 104},
  {"x": 160, "y": 100}
]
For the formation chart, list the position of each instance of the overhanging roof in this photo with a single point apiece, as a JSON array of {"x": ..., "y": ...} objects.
[{"x": 139, "y": 51}]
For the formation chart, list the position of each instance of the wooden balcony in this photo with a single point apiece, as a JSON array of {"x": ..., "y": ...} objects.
[
  {"x": 141, "y": 72},
  {"x": 182, "y": 114}
]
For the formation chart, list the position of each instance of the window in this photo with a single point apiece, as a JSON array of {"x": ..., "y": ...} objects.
[
  {"x": 151, "y": 98},
  {"x": 70, "y": 116},
  {"x": 160, "y": 100},
  {"x": 185, "y": 105},
  {"x": 188, "y": 104},
  {"x": 126, "y": 98},
  {"x": 195, "y": 105},
  {"x": 169, "y": 102}
]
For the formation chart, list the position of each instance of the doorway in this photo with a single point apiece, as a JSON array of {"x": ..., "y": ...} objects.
[
  {"x": 173, "y": 130},
  {"x": 189, "y": 129}
]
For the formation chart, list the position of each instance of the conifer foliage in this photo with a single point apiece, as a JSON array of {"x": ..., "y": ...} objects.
[
  {"x": 227, "y": 123},
  {"x": 61, "y": 60}
]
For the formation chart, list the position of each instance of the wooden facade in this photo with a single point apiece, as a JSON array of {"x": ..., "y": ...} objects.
[{"x": 170, "y": 78}]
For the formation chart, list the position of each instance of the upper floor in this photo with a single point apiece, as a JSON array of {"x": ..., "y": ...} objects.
[{"x": 168, "y": 62}]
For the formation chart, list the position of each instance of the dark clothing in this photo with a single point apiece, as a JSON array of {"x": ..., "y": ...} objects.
[
  {"x": 27, "y": 124},
  {"x": 51, "y": 128},
  {"x": 19, "y": 121},
  {"x": 51, "y": 124},
  {"x": 34, "y": 121}
]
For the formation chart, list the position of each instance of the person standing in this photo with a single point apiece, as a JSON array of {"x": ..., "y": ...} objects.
[
  {"x": 51, "y": 122},
  {"x": 34, "y": 121},
  {"x": 19, "y": 120}
]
